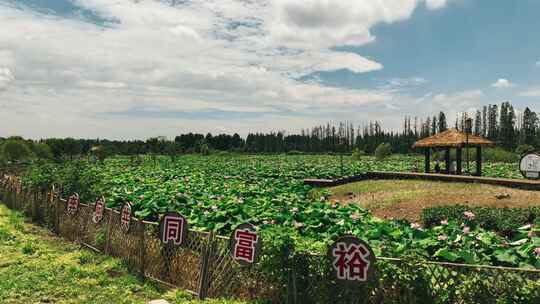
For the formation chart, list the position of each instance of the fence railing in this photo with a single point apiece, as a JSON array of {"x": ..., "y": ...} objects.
[{"x": 204, "y": 266}]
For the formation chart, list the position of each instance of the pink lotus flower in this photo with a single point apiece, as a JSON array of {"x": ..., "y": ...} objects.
[
  {"x": 444, "y": 222},
  {"x": 469, "y": 215},
  {"x": 355, "y": 216},
  {"x": 214, "y": 207},
  {"x": 466, "y": 230},
  {"x": 415, "y": 226},
  {"x": 442, "y": 238},
  {"x": 537, "y": 251}
]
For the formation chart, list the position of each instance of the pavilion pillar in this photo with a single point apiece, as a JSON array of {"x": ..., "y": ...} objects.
[
  {"x": 427, "y": 161},
  {"x": 459, "y": 168},
  {"x": 478, "y": 161},
  {"x": 447, "y": 160}
]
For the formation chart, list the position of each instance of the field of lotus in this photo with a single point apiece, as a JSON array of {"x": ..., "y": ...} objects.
[{"x": 220, "y": 192}]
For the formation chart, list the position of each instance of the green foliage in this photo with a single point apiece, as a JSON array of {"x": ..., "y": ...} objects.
[
  {"x": 295, "y": 152},
  {"x": 42, "y": 151},
  {"x": 503, "y": 220},
  {"x": 499, "y": 155},
  {"x": 217, "y": 193},
  {"x": 358, "y": 154},
  {"x": 524, "y": 149},
  {"x": 383, "y": 151},
  {"x": 14, "y": 150}
]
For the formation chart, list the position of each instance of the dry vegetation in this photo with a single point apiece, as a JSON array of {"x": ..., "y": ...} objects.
[{"x": 406, "y": 198}]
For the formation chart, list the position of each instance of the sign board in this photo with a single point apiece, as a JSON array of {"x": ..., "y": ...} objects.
[
  {"x": 245, "y": 244},
  {"x": 173, "y": 229},
  {"x": 99, "y": 208},
  {"x": 125, "y": 217},
  {"x": 73, "y": 204},
  {"x": 530, "y": 166},
  {"x": 352, "y": 260}
]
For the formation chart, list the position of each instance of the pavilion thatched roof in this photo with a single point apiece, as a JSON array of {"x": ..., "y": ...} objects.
[{"x": 451, "y": 138}]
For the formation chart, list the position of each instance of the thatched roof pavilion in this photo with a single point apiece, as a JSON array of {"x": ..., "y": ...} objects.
[{"x": 453, "y": 138}]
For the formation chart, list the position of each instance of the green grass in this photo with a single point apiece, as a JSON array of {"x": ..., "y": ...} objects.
[{"x": 37, "y": 267}]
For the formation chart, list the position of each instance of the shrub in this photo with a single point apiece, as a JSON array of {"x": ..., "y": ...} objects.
[
  {"x": 503, "y": 220},
  {"x": 383, "y": 151},
  {"x": 15, "y": 150},
  {"x": 499, "y": 155},
  {"x": 357, "y": 154},
  {"x": 295, "y": 152},
  {"x": 524, "y": 149}
]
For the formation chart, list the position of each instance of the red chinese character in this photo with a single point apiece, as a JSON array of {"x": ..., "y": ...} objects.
[
  {"x": 125, "y": 217},
  {"x": 351, "y": 261},
  {"x": 73, "y": 204},
  {"x": 244, "y": 248},
  {"x": 98, "y": 211},
  {"x": 173, "y": 229}
]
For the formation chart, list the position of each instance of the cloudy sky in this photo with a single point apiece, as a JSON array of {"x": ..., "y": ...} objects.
[{"x": 134, "y": 69}]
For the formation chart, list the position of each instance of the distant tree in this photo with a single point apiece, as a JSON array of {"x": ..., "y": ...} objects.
[
  {"x": 442, "y": 122},
  {"x": 383, "y": 150},
  {"x": 478, "y": 123},
  {"x": 15, "y": 150},
  {"x": 42, "y": 151},
  {"x": 529, "y": 128}
]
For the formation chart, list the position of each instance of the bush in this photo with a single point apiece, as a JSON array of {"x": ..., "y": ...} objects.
[
  {"x": 295, "y": 152},
  {"x": 503, "y": 220},
  {"x": 383, "y": 151},
  {"x": 524, "y": 149},
  {"x": 42, "y": 151},
  {"x": 496, "y": 155},
  {"x": 499, "y": 155},
  {"x": 14, "y": 150},
  {"x": 357, "y": 154}
]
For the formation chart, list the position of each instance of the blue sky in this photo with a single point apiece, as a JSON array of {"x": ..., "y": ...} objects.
[{"x": 134, "y": 69}]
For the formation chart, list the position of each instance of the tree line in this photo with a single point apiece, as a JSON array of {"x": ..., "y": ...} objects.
[{"x": 499, "y": 123}]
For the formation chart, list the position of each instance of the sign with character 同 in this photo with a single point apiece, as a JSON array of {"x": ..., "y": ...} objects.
[
  {"x": 245, "y": 244},
  {"x": 352, "y": 260},
  {"x": 173, "y": 229}
]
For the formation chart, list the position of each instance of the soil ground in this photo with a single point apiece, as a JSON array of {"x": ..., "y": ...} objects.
[{"x": 405, "y": 199}]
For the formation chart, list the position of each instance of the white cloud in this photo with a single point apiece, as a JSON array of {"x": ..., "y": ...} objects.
[
  {"x": 502, "y": 83},
  {"x": 228, "y": 55},
  {"x": 5, "y": 77},
  {"x": 102, "y": 84},
  {"x": 532, "y": 92},
  {"x": 435, "y": 4}
]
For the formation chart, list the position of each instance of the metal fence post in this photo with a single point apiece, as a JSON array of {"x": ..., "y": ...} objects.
[{"x": 204, "y": 279}]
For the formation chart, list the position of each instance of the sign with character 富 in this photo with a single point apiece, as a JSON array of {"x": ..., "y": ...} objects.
[
  {"x": 352, "y": 260},
  {"x": 173, "y": 229},
  {"x": 245, "y": 244}
]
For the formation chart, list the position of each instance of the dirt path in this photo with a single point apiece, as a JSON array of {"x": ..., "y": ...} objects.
[{"x": 406, "y": 198}]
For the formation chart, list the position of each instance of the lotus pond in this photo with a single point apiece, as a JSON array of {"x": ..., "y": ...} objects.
[{"x": 220, "y": 192}]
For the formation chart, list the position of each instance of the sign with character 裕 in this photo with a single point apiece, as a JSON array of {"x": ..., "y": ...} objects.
[{"x": 352, "y": 260}]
